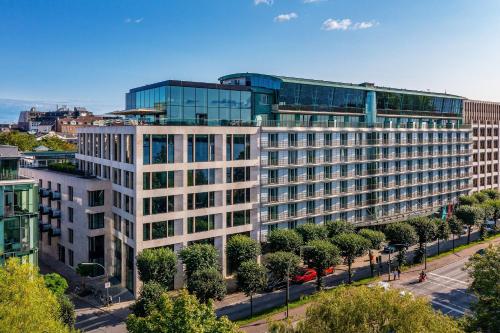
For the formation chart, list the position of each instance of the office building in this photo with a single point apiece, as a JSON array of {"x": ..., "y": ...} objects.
[
  {"x": 200, "y": 162},
  {"x": 18, "y": 210},
  {"x": 484, "y": 118}
]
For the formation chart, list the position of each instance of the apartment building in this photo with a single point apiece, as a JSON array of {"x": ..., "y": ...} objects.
[
  {"x": 484, "y": 118},
  {"x": 200, "y": 162},
  {"x": 18, "y": 210}
]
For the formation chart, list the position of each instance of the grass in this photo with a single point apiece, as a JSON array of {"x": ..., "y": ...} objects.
[
  {"x": 309, "y": 298},
  {"x": 295, "y": 304}
]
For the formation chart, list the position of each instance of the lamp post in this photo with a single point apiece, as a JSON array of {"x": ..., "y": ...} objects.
[
  {"x": 425, "y": 255},
  {"x": 105, "y": 275}
]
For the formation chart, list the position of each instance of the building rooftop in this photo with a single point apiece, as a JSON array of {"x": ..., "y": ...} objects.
[{"x": 7, "y": 151}]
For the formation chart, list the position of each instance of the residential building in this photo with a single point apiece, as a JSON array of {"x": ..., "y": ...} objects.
[
  {"x": 200, "y": 162},
  {"x": 484, "y": 118},
  {"x": 18, "y": 210},
  {"x": 44, "y": 122}
]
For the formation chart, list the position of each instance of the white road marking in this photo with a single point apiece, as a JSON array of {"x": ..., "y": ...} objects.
[
  {"x": 448, "y": 307},
  {"x": 446, "y": 286},
  {"x": 449, "y": 278}
]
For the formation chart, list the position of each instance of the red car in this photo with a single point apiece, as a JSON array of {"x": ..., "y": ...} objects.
[
  {"x": 305, "y": 275},
  {"x": 328, "y": 271}
]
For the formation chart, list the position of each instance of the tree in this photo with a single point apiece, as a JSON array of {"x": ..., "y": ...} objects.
[
  {"x": 470, "y": 215},
  {"x": 284, "y": 240},
  {"x": 207, "y": 284},
  {"x": 456, "y": 227},
  {"x": 495, "y": 206},
  {"x": 467, "y": 200},
  {"x": 485, "y": 272},
  {"x": 149, "y": 297},
  {"x": 480, "y": 197},
  {"x": 24, "y": 141},
  {"x": 159, "y": 265},
  {"x": 66, "y": 310},
  {"x": 403, "y": 234},
  {"x": 425, "y": 230},
  {"x": 280, "y": 264},
  {"x": 376, "y": 238},
  {"x": 312, "y": 231},
  {"x": 320, "y": 255},
  {"x": 338, "y": 227},
  {"x": 199, "y": 256},
  {"x": 55, "y": 283},
  {"x": 251, "y": 277},
  {"x": 351, "y": 246},
  {"x": 183, "y": 313},
  {"x": 442, "y": 230},
  {"x": 369, "y": 310},
  {"x": 26, "y": 304},
  {"x": 240, "y": 248}
]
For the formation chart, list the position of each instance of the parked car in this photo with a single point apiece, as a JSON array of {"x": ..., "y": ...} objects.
[
  {"x": 274, "y": 284},
  {"x": 329, "y": 270},
  {"x": 389, "y": 249},
  {"x": 304, "y": 275}
]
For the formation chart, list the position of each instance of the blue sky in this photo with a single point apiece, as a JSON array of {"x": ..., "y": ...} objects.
[{"x": 90, "y": 52}]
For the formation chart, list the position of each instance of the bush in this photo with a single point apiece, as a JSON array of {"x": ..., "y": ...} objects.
[
  {"x": 55, "y": 283},
  {"x": 240, "y": 248},
  {"x": 207, "y": 284},
  {"x": 148, "y": 299},
  {"x": 158, "y": 265},
  {"x": 66, "y": 310},
  {"x": 199, "y": 256},
  {"x": 284, "y": 240}
]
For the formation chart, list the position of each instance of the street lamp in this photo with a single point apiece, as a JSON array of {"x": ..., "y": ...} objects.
[{"x": 105, "y": 275}]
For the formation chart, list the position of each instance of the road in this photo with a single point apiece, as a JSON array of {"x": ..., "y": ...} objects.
[
  {"x": 446, "y": 288},
  {"x": 96, "y": 320}
]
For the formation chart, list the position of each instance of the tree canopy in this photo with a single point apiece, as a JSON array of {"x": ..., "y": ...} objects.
[
  {"x": 369, "y": 310},
  {"x": 284, "y": 240},
  {"x": 424, "y": 228},
  {"x": 55, "y": 283},
  {"x": 321, "y": 254},
  {"x": 251, "y": 278},
  {"x": 26, "y": 304},
  {"x": 278, "y": 263},
  {"x": 159, "y": 265},
  {"x": 351, "y": 246},
  {"x": 28, "y": 142},
  {"x": 149, "y": 296},
  {"x": 312, "y": 231},
  {"x": 338, "y": 227},
  {"x": 207, "y": 284},
  {"x": 376, "y": 238},
  {"x": 241, "y": 248},
  {"x": 183, "y": 313},
  {"x": 401, "y": 233},
  {"x": 199, "y": 256}
]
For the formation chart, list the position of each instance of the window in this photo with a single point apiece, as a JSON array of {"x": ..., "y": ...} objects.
[
  {"x": 129, "y": 179},
  {"x": 117, "y": 222},
  {"x": 70, "y": 236},
  {"x": 160, "y": 205},
  {"x": 70, "y": 193},
  {"x": 200, "y": 200},
  {"x": 71, "y": 258},
  {"x": 201, "y": 147},
  {"x": 70, "y": 214},
  {"x": 237, "y": 174},
  {"x": 129, "y": 148},
  {"x": 129, "y": 228},
  {"x": 117, "y": 199},
  {"x": 96, "y": 198},
  {"x": 162, "y": 229},
  {"x": 61, "y": 253},
  {"x": 237, "y": 147},
  {"x": 129, "y": 204},
  {"x": 96, "y": 221},
  {"x": 201, "y": 177},
  {"x": 146, "y": 149},
  {"x": 117, "y": 149},
  {"x": 237, "y": 218},
  {"x": 237, "y": 196},
  {"x": 200, "y": 223},
  {"x": 146, "y": 231},
  {"x": 156, "y": 180}
]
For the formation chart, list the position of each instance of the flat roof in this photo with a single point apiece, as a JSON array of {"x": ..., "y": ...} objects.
[{"x": 190, "y": 84}]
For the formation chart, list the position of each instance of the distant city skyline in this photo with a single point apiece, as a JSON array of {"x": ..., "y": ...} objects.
[{"x": 90, "y": 53}]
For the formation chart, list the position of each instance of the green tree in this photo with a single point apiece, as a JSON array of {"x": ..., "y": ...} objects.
[
  {"x": 492, "y": 193},
  {"x": 159, "y": 265},
  {"x": 55, "y": 143},
  {"x": 180, "y": 314},
  {"x": 24, "y": 141},
  {"x": 284, "y": 240},
  {"x": 149, "y": 297},
  {"x": 199, "y": 256},
  {"x": 241, "y": 248},
  {"x": 403, "y": 234},
  {"x": 66, "y": 311},
  {"x": 470, "y": 216},
  {"x": 280, "y": 264},
  {"x": 467, "y": 200},
  {"x": 425, "y": 230},
  {"x": 485, "y": 273},
  {"x": 495, "y": 206},
  {"x": 369, "y": 310},
  {"x": 207, "y": 284},
  {"x": 312, "y": 231},
  {"x": 442, "y": 231},
  {"x": 456, "y": 227},
  {"x": 251, "y": 277},
  {"x": 351, "y": 246},
  {"x": 376, "y": 238},
  {"x": 26, "y": 304},
  {"x": 320, "y": 255},
  {"x": 480, "y": 197},
  {"x": 56, "y": 283},
  {"x": 339, "y": 227}
]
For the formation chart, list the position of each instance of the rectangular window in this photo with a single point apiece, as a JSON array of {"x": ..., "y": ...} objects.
[
  {"x": 159, "y": 149},
  {"x": 201, "y": 177},
  {"x": 117, "y": 222},
  {"x": 129, "y": 229},
  {"x": 129, "y": 148},
  {"x": 201, "y": 223},
  {"x": 70, "y": 214},
  {"x": 146, "y": 149},
  {"x": 96, "y": 221},
  {"x": 70, "y": 193},
  {"x": 238, "y": 147},
  {"x": 117, "y": 199},
  {"x": 71, "y": 258},
  {"x": 146, "y": 231},
  {"x": 201, "y": 147},
  {"x": 61, "y": 253},
  {"x": 237, "y": 218},
  {"x": 162, "y": 229},
  {"x": 146, "y": 181},
  {"x": 238, "y": 174},
  {"x": 70, "y": 236},
  {"x": 200, "y": 200},
  {"x": 96, "y": 198}
]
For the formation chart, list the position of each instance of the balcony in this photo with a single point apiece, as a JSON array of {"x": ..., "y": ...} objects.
[
  {"x": 44, "y": 210},
  {"x": 44, "y": 192},
  {"x": 55, "y": 195},
  {"x": 54, "y": 213},
  {"x": 44, "y": 227},
  {"x": 54, "y": 232}
]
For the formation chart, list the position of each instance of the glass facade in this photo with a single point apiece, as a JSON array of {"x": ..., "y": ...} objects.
[{"x": 405, "y": 102}]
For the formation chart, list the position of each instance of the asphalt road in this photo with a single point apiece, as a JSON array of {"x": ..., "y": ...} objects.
[
  {"x": 446, "y": 288},
  {"x": 265, "y": 301}
]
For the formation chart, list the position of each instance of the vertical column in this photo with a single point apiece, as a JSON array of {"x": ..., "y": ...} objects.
[{"x": 371, "y": 107}]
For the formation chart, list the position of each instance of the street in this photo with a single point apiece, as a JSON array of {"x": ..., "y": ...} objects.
[{"x": 446, "y": 288}]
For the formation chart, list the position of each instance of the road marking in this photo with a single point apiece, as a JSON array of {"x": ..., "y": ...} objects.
[
  {"x": 449, "y": 278},
  {"x": 446, "y": 286},
  {"x": 447, "y": 307}
]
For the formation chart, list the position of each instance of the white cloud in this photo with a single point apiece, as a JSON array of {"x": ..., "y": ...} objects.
[
  {"x": 265, "y": 2},
  {"x": 346, "y": 24},
  {"x": 285, "y": 17},
  {"x": 332, "y": 24},
  {"x": 137, "y": 20}
]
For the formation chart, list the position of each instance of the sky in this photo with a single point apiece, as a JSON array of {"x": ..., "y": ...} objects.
[{"x": 90, "y": 52}]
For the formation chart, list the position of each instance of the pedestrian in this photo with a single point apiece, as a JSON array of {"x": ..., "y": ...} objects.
[
  {"x": 394, "y": 274},
  {"x": 399, "y": 273}
]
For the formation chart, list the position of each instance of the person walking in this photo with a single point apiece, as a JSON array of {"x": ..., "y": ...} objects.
[
  {"x": 394, "y": 274},
  {"x": 399, "y": 273}
]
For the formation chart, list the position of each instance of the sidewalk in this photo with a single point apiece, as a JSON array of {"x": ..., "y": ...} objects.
[{"x": 411, "y": 274}]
